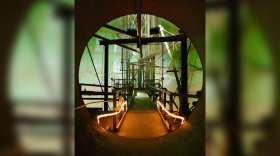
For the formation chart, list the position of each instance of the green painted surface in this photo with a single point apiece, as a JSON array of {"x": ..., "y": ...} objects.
[{"x": 141, "y": 102}]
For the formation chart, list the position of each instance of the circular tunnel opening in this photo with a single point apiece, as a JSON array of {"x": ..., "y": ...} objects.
[{"x": 140, "y": 93}]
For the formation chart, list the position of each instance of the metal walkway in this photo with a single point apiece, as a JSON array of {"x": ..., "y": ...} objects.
[{"x": 142, "y": 120}]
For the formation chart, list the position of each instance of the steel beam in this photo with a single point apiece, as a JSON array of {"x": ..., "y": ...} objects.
[
  {"x": 119, "y": 30},
  {"x": 138, "y": 9},
  {"x": 157, "y": 52},
  {"x": 113, "y": 42},
  {"x": 96, "y": 93},
  {"x": 184, "y": 76},
  {"x": 94, "y": 68},
  {"x": 145, "y": 41}
]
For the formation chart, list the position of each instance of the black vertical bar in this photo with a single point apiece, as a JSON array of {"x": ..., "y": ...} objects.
[
  {"x": 184, "y": 76},
  {"x": 106, "y": 77},
  {"x": 164, "y": 103},
  {"x": 114, "y": 108},
  {"x": 232, "y": 105},
  {"x": 67, "y": 15}
]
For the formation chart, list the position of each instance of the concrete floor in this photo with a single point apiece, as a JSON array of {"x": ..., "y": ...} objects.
[{"x": 142, "y": 120}]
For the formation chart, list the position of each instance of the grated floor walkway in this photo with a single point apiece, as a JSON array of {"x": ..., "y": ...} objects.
[{"x": 142, "y": 120}]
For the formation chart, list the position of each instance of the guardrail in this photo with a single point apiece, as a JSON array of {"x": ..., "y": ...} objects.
[
  {"x": 124, "y": 96},
  {"x": 170, "y": 114},
  {"x": 111, "y": 114}
]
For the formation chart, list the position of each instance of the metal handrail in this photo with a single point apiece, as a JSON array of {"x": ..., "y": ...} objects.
[
  {"x": 175, "y": 116},
  {"x": 111, "y": 114}
]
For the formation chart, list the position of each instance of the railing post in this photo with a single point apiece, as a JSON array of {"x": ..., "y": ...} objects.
[
  {"x": 114, "y": 122},
  {"x": 160, "y": 100},
  {"x": 170, "y": 110},
  {"x": 171, "y": 103},
  {"x": 164, "y": 103},
  {"x": 125, "y": 99},
  {"x": 114, "y": 100},
  {"x": 114, "y": 109},
  {"x": 106, "y": 65}
]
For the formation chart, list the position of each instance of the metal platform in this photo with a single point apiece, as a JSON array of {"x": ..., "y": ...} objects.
[{"x": 142, "y": 120}]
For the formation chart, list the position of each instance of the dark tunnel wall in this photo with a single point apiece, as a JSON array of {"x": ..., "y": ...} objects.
[{"x": 189, "y": 15}]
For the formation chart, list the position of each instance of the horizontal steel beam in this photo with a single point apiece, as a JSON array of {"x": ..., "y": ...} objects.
[
  {"x": 95, "y": 93},
  {"x": 113, "y": 42},
  {"x": 119, "y": 30},
  {"x": 84, "y": 84},
  {"x": 157, "y": 52},
  {"x": 96, "y": 98},
  {"x": 145, "y": 40}
]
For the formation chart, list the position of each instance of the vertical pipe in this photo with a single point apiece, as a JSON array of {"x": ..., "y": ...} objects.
[
  {"x": 68, "y": 15},
  {"x": 171, "y": 103},
  {"x": 122, "y": 56},
  {"x": 114, "y": 122},
  {"x": 162, "y": 66},
  {"x": 106, "y": 77},
  {"x": 122, "y": 67},
  {"x": 231, "y": 107},
  {"x": 114, "y": 108},
  {"x": 160, "y": 100},
  {"x": 148, "y": 31},
  {"x": 184, "y": 76},
  {"x": 164, "y": 103},
  {"x": 139, "y": 77},
  {"x": 127, "y": 64},
  {"x": 133, "y": 75},
  {"x": 114, "y": 101}
]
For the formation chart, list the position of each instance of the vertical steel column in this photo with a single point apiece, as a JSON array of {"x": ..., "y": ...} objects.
[
  {"x": 153, "y": 67},
  {"x": 184, "y": 76},
  {"x": 170, "y": 110},
  {"x": 148, "y": 32},
  {"x": 122, "y": 57},
  {"x": 106, "y": 77},
  {"x": 153, "y": 77},
  {"x": 171, "y": 103},
  {"x": 133, "y": 75},
  {"x": 127, "y": 64},
  {"x": 139, "y": 77},
  {"x": 67, "y": 15},
  {"x": 122, "y": 69},
  {"x": 160, "y": 100},
  {"x": 164, "y": 103},
  {"x": 232, "y": 103},
  {"x": 162, "y": 66},
  {"x": 114, "y": 108}
]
